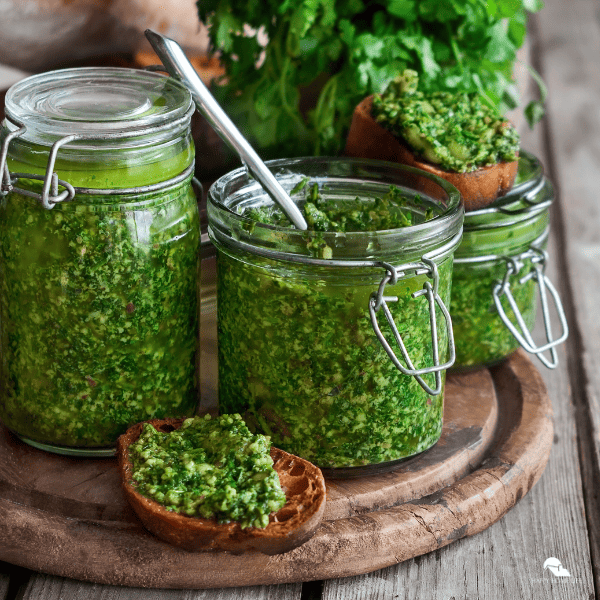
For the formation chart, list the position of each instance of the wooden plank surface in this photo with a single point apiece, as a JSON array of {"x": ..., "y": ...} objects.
[
  {"x": 570, "y": 63},
  {"x": 13, "y": 580},
  {"x": 48, "y": 587},
  {"x": 6, "y": 593}
]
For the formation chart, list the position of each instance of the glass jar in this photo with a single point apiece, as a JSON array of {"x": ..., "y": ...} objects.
[
  {"x": 336, "y": 344},
  {"x": 499, "y": 275},
  {"x": 98, "y": 259}
]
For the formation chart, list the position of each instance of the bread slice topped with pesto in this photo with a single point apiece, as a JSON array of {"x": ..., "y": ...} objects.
[
  {"x": 207, "y": 483},
  {"x": 456, "y": 136}
]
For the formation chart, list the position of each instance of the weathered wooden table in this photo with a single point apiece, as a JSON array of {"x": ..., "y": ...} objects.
[{"x": 560, "y": 517}]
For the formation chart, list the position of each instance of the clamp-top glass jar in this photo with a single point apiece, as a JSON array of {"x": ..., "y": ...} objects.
[
  {"x": 304, "y": 318},
  {"x": 499, "y": 275},
  {"x": 99, "y": 240}
]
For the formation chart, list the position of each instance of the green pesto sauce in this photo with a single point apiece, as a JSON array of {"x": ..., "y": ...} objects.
[
  {"x": 299, "y": 359},
  {"x": 480, "y": 336},
  {"x": 456, "y": 131},
  {"x": 389, "y": 211},
  {"x": 298, "y": 356},
  {"x": 99, "y": 314},
  {"x": 210, "y": 468}
]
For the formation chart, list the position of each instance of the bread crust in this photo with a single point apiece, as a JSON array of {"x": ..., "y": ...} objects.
[
  {"x": 479, "y": 188},
  {"x": 291, "y": 526}
]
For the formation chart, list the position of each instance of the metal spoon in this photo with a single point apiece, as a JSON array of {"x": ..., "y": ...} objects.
[{"x": 178, "y": 66}]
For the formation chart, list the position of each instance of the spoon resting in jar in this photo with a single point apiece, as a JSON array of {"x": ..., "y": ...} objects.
[{"x": 178, "y": 66}]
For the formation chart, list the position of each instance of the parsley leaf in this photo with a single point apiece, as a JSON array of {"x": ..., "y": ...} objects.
[{"x": 295, "y": 96}]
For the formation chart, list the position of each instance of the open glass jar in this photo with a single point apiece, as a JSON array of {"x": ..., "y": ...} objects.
[
  {"x": 99, "y": 239},
  {"x": 499, "y": 275},
  {"x": 336, "y": 344}
]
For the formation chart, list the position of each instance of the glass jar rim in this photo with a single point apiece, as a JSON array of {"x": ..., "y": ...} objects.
[
  {"x": 134, "y": 106},
  {"x": 231, "y": 228},
  {"x": 532, "y": 194}
]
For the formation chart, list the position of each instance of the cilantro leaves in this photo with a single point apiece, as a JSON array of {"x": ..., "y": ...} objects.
[{"x": 286, "y": 106}]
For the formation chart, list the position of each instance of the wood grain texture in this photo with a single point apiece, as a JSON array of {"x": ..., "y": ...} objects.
[
  {"x": 120, "y": 552},
  {"x": 569, "y": 41},
  {"x": 49, "y": 587}
]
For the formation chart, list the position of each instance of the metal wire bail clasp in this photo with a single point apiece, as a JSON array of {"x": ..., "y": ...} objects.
[
  {"x": 520, "y": 331},
  {"x": 379, "y": 301},
  {"x": 50, "y": 195}
]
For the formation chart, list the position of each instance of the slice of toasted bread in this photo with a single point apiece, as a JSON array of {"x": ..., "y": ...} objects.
[
  {"x": 368, "y": 139},
  {"x": 288, "y": 528}
]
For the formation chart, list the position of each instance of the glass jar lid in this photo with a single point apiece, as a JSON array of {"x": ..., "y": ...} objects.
[{"x": 98, "y": 103}]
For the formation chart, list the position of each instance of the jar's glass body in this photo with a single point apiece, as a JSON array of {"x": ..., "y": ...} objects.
[
  {"x": 490, "y": 238},
  {"x": 298, "y": 356},
  {"x": 98, "y": 296}
]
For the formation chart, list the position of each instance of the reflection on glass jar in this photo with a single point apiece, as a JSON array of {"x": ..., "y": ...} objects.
[
  {"x": 298, "y": 353},
  {"x": 98, "y": 287},
  {"x": 499, "y": 267}
]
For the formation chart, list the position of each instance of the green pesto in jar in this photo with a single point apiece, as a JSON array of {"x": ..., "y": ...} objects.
[
  {"x": 480, "y": 336},
  {"x": 98, "y": 296},
  {"x": 98, "y": 321},
  {"x": 490, "y": 236},
  {"x": 299, "y": 359},
  {"x": 298, "y": 355},
  {"x": 456, "y": 131},
  {"x": 390, "y": 211},
  {"x": 209, "y": 468}
]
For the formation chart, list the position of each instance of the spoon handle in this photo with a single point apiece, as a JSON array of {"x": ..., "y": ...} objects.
[{"x": 178, "y": 66}]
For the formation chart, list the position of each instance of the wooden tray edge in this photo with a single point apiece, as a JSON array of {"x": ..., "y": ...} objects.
[{"x": 346, "y": 547}]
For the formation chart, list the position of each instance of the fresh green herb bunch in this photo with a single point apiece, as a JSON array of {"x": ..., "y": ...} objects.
[
  {"x": 344, "y": 50},
  {"x": 457, "y": 131}
]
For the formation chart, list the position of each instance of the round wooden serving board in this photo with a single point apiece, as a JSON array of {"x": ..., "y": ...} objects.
[{"x": 67, "y": 516}]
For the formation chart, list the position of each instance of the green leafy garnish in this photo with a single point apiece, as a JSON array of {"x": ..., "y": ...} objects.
[{"x": 296, "y": 70}]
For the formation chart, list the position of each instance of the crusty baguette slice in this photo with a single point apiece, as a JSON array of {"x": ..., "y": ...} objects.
[
  {"x": 368, "y": 139},
  {"x": 290, "y": 527}
]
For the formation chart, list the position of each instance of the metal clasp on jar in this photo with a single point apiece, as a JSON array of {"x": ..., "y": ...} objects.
[
  {"x": 520, "y": 331},
  {"x": 379, "y": 301},
  {"x": 50, "y": 195}
]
